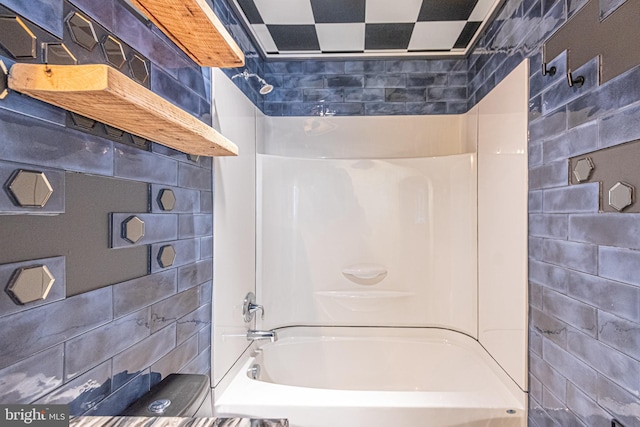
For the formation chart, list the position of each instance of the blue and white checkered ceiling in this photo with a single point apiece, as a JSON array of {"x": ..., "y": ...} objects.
[{"x": 288, "y": 29}]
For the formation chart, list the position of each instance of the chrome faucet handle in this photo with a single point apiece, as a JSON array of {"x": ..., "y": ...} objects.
[{"x": 249, "y": 307}]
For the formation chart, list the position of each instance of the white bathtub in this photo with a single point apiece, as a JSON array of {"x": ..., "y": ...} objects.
[{"x": 351, "y": 377}]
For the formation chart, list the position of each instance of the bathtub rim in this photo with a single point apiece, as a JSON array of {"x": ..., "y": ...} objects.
[{"x": 241, "y": 365}]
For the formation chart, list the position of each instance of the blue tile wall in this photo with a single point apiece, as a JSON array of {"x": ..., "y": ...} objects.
[
  {"x": 584, "y": 351},
  {"x": 101, "y": 350}
]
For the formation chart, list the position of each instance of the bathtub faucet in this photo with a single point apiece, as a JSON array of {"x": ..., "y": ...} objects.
[{"x": 253, "y": 335}]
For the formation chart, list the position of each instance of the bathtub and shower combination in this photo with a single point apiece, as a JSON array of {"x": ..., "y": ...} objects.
[{"x": 391, "y": 262}]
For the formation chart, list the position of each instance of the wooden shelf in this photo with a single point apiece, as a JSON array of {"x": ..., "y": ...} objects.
[
  {"x": 108, "y": 96},
  {"x": 192, "y": 25}
]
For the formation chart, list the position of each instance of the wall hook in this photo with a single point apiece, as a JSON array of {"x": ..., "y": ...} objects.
[
  {"x": 577, "y": 81},
  {"x": 550, "y": 71}
]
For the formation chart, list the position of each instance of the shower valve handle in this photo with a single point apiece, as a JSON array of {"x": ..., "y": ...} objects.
[{"x": 249, "y": 307}]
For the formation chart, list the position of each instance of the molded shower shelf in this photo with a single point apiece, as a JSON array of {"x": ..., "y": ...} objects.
[
  {"x": 108, "y": 96},
  {"x": 192, "y": 25}
]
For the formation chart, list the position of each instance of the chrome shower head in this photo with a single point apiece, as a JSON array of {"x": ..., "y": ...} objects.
[{"x": 266, "y": 87}]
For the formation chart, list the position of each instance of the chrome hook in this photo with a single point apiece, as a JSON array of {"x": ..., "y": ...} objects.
[
  {"x": 577, "y": 81},
  {"x": 550, "y": 71}
]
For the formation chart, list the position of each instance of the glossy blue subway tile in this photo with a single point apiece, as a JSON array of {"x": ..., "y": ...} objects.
[
  {"x": 194, "y": 226},
  {"x": 445, "y": 65},
  {"x": 620, "y": 334},
  {"x": 535, "y": 201},
  {"x": 611, "y": 296},
  {"x": 284, "y": 67},
  {"x": 173, "y": 91},
  {"x": 385, "y": 81},
  {"x": 427, "y": 80},
  {"x": 206, "y": 202},
  {"x": 193, "y": 78},
  {"x": 58, "y": 290},
  {"x": 576, "y": 141},
  {"x": 286, "y": 95},
  {"x": 405, "y": 95},
  {"x": 31, "y": 331},
  {"x": 204, "y": 339},
  {"x": 548, "y": 176},
  {"x": 32, "y": 378},
  {"x": 194, "y": 274},
  {"x": 561, "y": 93},
  {"x": 363, "y": 95},
  {"x": 123, "y": 397},
  {"x": 31, "y": 107},
  {"x": 619, "y": 264},
  {"x": 607, "y": 7},
  {"x": 323, "y": 95},
  {"x": 84, "y": 392},
  {"x": 300, "y": 81},
  {"x": 535, "y": 108},
  {"x": 385, "y": 109},
  {"x": 344, "y": 81},
  {"x": 205, "y": 293},
  {"x": 85, "y": 351},
  {"x": 552, "y": 379},
  {"x": 139, "y": 293},
  {"x": 406, "y": 66},
  {"x": 31, "y": 141},
  {"x": 201, "y": 364},
  {"x": 539, "y": 83},
  {"x": 175, "y": 360},
  {"x": 187, "y": 252},
  {"x": 206, "y": 247},
  {"x": 446, "y": 94},
  {"x": 620, "y": 368},
  {"x": 581, "y": 316},
  {"x": 345, "y": 108},
  {"x": 615, "y": 129},
  {"x": 585, "y": 407},
  {"x": 131, "y": 362},
  {"x": 169, "y": 310},
  {"x": 552, "y": 226},
  {"x": 548, "y": 275},
  {"x": 618, "y": 401},
  {"x": 191, "y": 323},
  {"x": 422, "y": 108},
  {"x": 303, "y": 109},
  {"x": 157, "y": 228},
  {"x": 605, "y": 229},
  {"x": 48, "y": 14},
  {"x": 139, "y": 165},
  {"x": 577, "y": 256},
  {"x": 364, "y": 66},
  {"x": 190, "y": 176},
  {"x": 548, "y": 125},
  {"x": 323, "y": 67}
]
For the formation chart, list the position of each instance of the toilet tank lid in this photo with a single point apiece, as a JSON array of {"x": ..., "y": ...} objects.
[{"x": 185, "y": 391}]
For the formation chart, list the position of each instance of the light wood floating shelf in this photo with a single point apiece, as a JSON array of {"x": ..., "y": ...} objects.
[
  {"x": 192, "y": 25},
  {"x": 108, "y": 96}
]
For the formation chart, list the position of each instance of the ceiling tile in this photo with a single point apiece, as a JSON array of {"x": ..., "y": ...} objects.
[
  {"x": 383, "y": 11},
  {"x": 435, "y": 35},
  {"x": 334, "y": 11},
  {"x": 250, "y": 11},
  {"x": 466, "y": 35},
  {"x": 449, "y": 10},
  {"x": 264, "y": 37},
  {"x": 341, "y": 37},
  {"x": 482, "y": 9},
  {"x": 388, "y": 36},
  {"x": 294, "y": 37},
  {"x": 285, "y": 12}
]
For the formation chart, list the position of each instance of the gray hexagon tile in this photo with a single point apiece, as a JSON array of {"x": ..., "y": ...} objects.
[
  {"x": 157, "y": 228},
  {"x": 9, "y": 201},
  {"x": 186, "y": 200},
  {"x": 187, "y": 252},
  {"x": 55, "y": 265}
]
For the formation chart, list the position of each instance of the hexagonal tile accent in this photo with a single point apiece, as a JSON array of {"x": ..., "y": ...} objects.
[
  {"x": 113, "y": 52},
  {"x": 30, "y": 284},
  {"x": 583, "y": 168},
  {"x": 113, "y": 132},
  {"x": 58, "y": 54},
  {"x": 4, "y": 82},
  {"x": 167, "y": 199},
  {"x": 138, "y": 141},
  {"x": 166, "y": 256},
  {"x": 621, "y": 196},
  {"x": 133, "y": 229},
  {"x": 30, "y": 188},
  {"x": 82, "y": 31},
  {"x": 193, "y": 158},
  {"x": 82, "y": 121},
  {"x": 17, "y": 38},
  {"x": 139, "y": 69}
]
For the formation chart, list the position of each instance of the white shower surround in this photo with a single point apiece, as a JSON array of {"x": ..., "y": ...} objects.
[{"x": 488, "y": 306}]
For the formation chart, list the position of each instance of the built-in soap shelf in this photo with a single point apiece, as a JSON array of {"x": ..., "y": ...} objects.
[{"x": 365, "y": 274}]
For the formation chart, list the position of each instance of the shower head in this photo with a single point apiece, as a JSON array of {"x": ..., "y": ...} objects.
[{"x": 264, "y": 89}]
